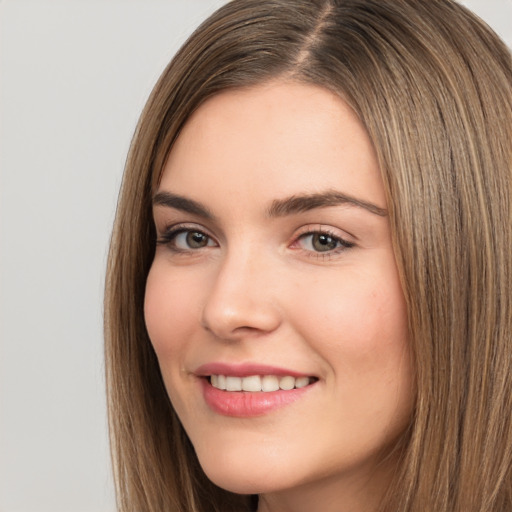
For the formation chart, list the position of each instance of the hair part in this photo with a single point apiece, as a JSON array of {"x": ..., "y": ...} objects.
[{"x": 433, "y": 86}]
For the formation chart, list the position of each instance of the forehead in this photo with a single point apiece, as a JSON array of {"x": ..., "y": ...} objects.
[{"x": 286, "y": 138}]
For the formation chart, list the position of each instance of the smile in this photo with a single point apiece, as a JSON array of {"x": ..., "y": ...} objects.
[{"x": 259, "y": 383}]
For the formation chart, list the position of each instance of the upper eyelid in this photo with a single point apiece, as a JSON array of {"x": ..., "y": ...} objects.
[
  {"x": 309, "y": 229},
  {"x": 327, "y": 229},
  {"x": 183, "y": 226},
  {"x": 170, "y": 233},
  {"x": 345, "y": 239},
  {"x": 339, "y": 238}
]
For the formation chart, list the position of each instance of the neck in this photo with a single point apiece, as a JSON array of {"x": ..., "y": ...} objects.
[{"x": 338, "y": 493}]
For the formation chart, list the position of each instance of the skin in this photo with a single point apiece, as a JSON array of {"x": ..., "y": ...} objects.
[{"x": 262, "y": 290}]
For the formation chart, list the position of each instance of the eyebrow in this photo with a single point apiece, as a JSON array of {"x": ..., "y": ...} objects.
[
  {"x": 182, "y": 203},
  {"x": 278, "y": 208},
  {"x": 303, "y": 203}
]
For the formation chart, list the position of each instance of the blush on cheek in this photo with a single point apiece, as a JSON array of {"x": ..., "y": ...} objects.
[
  {"x": 364, "y": 327},
  {"x": 170, "y": 310},
  {"x": 157, "y": 314}
]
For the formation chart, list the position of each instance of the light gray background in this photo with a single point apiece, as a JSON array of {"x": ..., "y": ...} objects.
[{"x": 74, "y": 77}]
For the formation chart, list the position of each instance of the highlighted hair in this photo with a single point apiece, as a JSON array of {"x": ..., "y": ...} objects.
[{"x": 432, "y": 84}]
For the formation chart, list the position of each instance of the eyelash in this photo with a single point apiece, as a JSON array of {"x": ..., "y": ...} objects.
[
  {"x": 341, "y": 244},
  {"x": 168, "y": 238}
]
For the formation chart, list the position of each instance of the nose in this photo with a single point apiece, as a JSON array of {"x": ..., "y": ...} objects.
[{"x": 242, "y": 300}]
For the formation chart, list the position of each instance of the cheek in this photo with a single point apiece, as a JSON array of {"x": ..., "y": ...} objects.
[
  {"x": 170, "y": 312},
  {"x": 359, "y": 325},
  {"x": 170, "y": 309},
  {"x": 363, "y": 310}
]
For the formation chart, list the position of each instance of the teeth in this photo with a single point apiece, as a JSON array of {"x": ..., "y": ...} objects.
[
  {"x": 233, "y": 384},
  {"x": 301, "y": 382},
  {"x": 269, "y": 383},
  {"x": 256, "y": 383},
  {"x": 252, "y": 383},
  {"x": 221, "y": 381}
]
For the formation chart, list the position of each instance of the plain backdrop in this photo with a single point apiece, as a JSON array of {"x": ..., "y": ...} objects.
[{"x": 74, "y": 77}]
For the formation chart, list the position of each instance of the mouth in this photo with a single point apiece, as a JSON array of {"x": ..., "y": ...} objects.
[
  {"x": 253, "y": 395},
  {"x": 259, "y": 383},
  {"x": 251, "y": 389}
]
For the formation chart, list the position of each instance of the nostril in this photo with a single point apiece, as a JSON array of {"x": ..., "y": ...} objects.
[{"x": 239, "y": 304}]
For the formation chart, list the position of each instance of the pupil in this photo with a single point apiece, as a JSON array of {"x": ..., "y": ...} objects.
[
  {"x": 324, "y": 243},
  {"x": 195, "y": 239}
]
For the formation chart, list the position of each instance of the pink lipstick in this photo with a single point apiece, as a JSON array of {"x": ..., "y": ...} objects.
[{"x": 250, "y": 390}]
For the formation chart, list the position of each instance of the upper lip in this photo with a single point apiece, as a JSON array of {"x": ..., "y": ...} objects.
[{"x": 244, "y": 370}]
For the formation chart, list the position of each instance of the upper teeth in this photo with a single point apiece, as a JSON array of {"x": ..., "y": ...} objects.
[{"x": 258, "y": 383}]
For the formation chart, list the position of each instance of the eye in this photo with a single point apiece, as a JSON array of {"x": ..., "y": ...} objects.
[
  {"x": 191, "y": 240},
  {"x": 182, "y": 239},
  {"x": 322, "y": 242}
]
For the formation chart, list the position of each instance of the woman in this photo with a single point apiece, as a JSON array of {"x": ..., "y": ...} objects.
[{"x": 308, "y": 294}]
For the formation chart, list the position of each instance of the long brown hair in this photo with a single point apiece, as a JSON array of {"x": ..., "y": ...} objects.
[{"x": 433, "y": 86}]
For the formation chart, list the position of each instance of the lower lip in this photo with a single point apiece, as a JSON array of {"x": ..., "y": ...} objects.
[{"x": 245, "y": 404}]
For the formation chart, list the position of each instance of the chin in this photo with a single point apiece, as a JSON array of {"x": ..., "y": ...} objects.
[
  {"x": 243, "y": 476},
  {"x": 239, "y": 482}
]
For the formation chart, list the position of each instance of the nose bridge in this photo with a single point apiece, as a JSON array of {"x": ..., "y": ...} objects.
[{"x": 241, "y": 298}]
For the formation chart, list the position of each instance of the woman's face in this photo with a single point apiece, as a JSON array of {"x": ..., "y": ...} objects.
[{"x": 274, "y": 269}]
